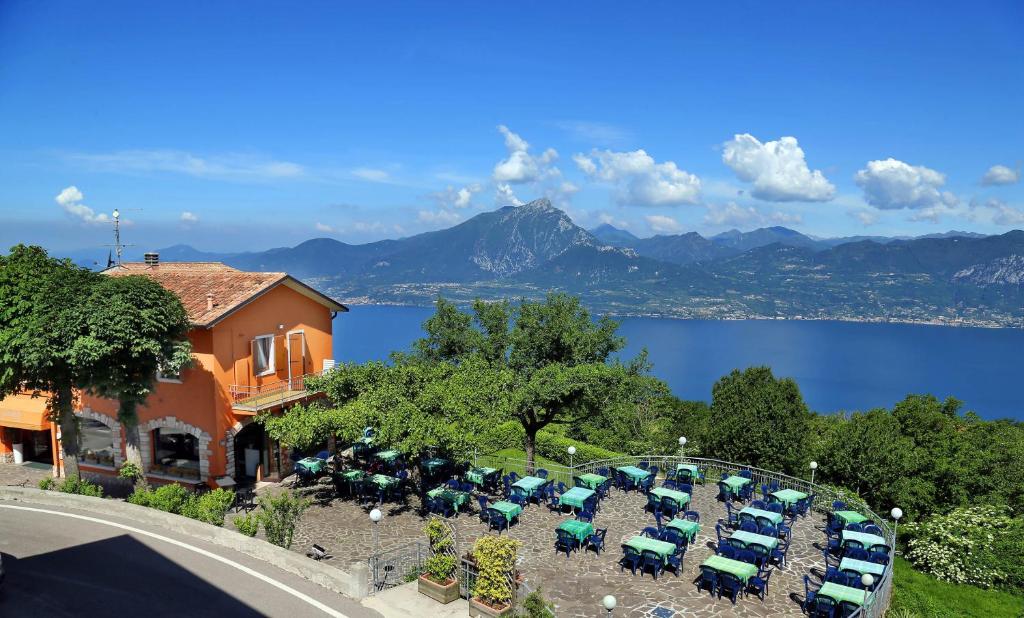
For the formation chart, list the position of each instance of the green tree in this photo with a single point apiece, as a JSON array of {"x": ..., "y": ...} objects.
[
  {"x": 133, "y": 327},
  {"x": 759, "y": 420},
  {"x": 41, "y": 312}
]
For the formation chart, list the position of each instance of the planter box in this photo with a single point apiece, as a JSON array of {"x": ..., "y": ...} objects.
[
  {"x": 476, "y": 608},
  {"x": 442, "y": 593}
]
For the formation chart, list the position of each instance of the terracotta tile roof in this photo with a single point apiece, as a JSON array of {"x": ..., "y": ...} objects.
[{"x": 231, "y": 288}]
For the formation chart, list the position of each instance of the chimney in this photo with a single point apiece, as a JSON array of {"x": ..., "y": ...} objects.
[
  {"x": 152, "y": 259},
  {"x": 209, "y": 302}
]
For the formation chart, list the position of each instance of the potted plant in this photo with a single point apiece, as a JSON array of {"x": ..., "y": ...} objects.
[
  {"x": 496, "y": 562},
  {"x": 438, "y": 581}
]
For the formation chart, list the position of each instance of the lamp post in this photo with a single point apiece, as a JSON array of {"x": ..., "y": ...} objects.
[
  {"x": 814, "y": 466},
  {"x": 682, "y": 446},
  {"x": 868, "y": 581},
  {"x": 896, "y": 513},
  {"x": 572, "y": 451},
  {"x": 375, "y": 516},
  {"x": 609, "y": 603}
]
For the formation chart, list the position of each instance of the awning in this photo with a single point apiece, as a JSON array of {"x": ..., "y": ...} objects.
[{"x": 34, "y": 420}]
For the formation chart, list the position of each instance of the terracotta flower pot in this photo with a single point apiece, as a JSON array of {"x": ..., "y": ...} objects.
[
  {"x": 442, "y": 593},
  {"x": 479, "y": 608}
]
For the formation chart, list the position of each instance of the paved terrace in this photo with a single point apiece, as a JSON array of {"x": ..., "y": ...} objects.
[{"x": 577, "y": 584}]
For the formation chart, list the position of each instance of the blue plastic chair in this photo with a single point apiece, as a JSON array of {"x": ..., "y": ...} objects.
[
  {"x": 732, "y": 516},
  {"x": 652, "y": 561},
  {"x": 585, "y": 515},
  {"x": 630, "y": 558},
  {"x": 675, "y": 560},
  {"x": 809, "y": 594},
  {"x": 745, "y": 555},
  {"x": 595, "y": 541},
  {"x": 775, "y": 507},
  {"x": 669, "y": 507},
  {"x": 565, "y": 541},
  {"x": 651, "y": 532},
  {"x": 542, "y": 473},
  {"x": 708, "y": 580},
  {"x": 879, "y": 558},
  {"x": 759, "y": 504},
  {"x": 653, "y": 503},
  {"x": 856, "y": 553},
  {"x": 727, "y": 551},
  {"x": 686, "y": 488},
  {"x": 748, "y": 526},
  {"x": 692, "y": 516},
  {"x": 730, "y": 586},
  {"x": 496, "y": 520},
  {"x": 760, "y": 583},
  {"x": 724, "y": 492},
  {"x": 823, "y": 607}
]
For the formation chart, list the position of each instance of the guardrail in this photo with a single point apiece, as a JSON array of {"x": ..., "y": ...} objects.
[
  {"x": 254, "y": 398},
  {"x": 712, "y": 470}
]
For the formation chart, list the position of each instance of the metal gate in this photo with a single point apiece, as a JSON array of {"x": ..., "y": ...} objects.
[{"x": 397, "y": 566}]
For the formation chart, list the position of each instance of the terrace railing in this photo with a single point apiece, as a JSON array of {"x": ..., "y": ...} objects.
[
  {"x": 256, "y": 398},
  {"x": 712, "y": 470}
]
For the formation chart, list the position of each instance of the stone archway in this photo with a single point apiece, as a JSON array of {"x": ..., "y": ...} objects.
[
  {"x": 115, "y": 431},
  {"x": 229, "y": 442},
  {"x": 171, "y": 422}
]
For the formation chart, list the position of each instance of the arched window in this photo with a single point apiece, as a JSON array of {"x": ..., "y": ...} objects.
[
  {"x": 176, "y": 453},
  {"x": 97, "y": 442}
]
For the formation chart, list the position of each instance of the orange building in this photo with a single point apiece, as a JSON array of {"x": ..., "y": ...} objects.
[{"x": 255, "y": 337}]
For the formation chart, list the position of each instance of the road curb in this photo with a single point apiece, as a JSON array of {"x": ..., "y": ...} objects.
[{"x": 353, "y": 583}]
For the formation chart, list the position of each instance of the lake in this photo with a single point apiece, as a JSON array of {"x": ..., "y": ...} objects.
[{"x": 838, "y": 365}]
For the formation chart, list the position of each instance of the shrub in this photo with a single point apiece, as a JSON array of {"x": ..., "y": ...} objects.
[
  {"x": 169, "y": 498},
  {"x": 442, "y": 564},
  {"x": 129, "y": 471},
  {"x": 279, "y": 515},
  {"x": 80, "y": 487},
  {"x": 534, "y": 606},
  {"x": 141, "y": 496},
  {"x": 47, "y": 483},
  {"x": 210, "y": 507},
  {"x": 555, "y": 448},
  {"x": 496, "y": 561},
  {"x": 248, "y": 525}
]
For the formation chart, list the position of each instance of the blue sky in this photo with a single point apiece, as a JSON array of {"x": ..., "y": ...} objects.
[{"x": 238, "y": 126}]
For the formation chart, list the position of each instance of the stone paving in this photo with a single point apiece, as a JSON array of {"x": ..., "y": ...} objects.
[
  {"x": 11, "y": 474},
  {"x": 576, "y": 585}
]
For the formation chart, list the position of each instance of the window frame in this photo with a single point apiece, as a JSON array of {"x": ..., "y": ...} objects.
[{"x": 271, "y": 368}]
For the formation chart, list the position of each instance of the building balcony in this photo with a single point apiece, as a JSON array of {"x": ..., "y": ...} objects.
[{"x": 251, "y": 400}]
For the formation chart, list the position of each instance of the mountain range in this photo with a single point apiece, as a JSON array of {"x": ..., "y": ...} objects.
[{"x": 773, "y": 272}]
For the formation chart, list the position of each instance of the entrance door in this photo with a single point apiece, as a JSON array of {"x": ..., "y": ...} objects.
[
  {"x": 296, "y": 355},
  {"x": 250, "y": 454}
]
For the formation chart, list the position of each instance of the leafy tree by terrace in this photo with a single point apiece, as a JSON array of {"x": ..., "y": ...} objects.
[
  {"x": 41, "y": 316},
  {"x": 133, "y": 326}
]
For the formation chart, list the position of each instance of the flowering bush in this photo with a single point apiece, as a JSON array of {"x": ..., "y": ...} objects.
[{"x": 979, "y": 545}]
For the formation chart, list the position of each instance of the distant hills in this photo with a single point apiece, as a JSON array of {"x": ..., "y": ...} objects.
[{"x": 772, "y": 272}]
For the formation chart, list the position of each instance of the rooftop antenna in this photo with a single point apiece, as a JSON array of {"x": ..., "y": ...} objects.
[{"x": 118, "y": 247}]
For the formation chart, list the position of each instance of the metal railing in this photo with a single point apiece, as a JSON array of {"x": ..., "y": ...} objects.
[
  {"x": 262, "y": 396},
  {"x": 712, "y": 469},
  {"x": 397, "y": 566}
]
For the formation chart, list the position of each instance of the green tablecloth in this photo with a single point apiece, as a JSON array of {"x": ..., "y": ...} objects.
[
  {"x": 747, "y": 538},
  {"x": 743, "y": 570},
  {"x": 508, "y": 509},
  {"x": 529, "y": 483},
  {"x": 452, "y": 497},
  {"x": 687, "y": 527},
  {"x": 637, "y": 474},
  {"x": 591, "y": 480},
  {"x": 579, "y": 529},
  {"x": 478, "y": 476},
  {"x": 664, "y": 549},
  {"x": 384, "y": 481},
  {"x": 389, "y": 455},
  {"x": 850, "y": 517},
  {"x": 843, "y": 593},
  {"x": 312, "y": 464},
  {"x": 681, "y": 498},
  {"x": 352, "y": 475},
  {"x": 736, "y": 482},
  {"x": 689, "y": 467},
  {"x": 862, "y": 567},
  {"x": 789, "y": 496},
  {"x": 866, "y": 539},
  {"x": 433, "y": 464},
  {"x": 575, "y": 497},
  {"x": 775, "y": 518}
]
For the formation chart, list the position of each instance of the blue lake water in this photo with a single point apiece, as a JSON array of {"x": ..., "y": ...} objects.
[{"x": 838, "y": 365}]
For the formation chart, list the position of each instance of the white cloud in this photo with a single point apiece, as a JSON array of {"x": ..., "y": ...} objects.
[
  {"x": 892, "y": 184},
  {"x": 505, "y": 196},
  {"x": 733, "y": 214},
  {"x": 639, "y": 179},
  {"x": 188, "y": 217},
  {"x": 457, "y": 198},
  {"x": 777, "y": 169},
  {"x": 323, "y": 227},
  {"x": 446, "y": 217},
  {"x": 660, "y": 224},
  {"x": 1001, "y": 212},
  {"x": 604, "y": 217},
  {"x": 521, "y": 166},
  {"x": 866, "y": 216},
  {"x": 785, "y": 218},
  {"x": 1001, "y": 175},
  {"x": 371, "y": 175},
  {"x": 594, "y": 132},
  {"x": 70, "y": 199},
  {"x": 226, "y": 167}
]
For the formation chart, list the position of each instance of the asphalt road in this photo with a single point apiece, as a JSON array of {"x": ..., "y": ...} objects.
[{"x": 77, "y": 564}]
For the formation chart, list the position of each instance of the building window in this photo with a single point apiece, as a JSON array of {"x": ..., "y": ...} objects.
[
  {"x": 263, "y": 355},
  {"x": 176, "y": 453},
  {"x": 97, "y": 442},
  {"x": 168, "y": 375}
]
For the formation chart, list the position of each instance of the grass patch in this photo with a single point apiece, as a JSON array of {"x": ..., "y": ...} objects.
[{"x": 920, "y": 594}]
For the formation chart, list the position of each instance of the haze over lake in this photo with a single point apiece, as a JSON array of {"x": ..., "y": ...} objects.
[{"x": 838, "y": 365}]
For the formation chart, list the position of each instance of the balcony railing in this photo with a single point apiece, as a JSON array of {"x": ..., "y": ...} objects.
[{"x": 253, "y": 399}]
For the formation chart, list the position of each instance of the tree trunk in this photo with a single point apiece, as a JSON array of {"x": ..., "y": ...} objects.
[
  {"x": 531, "y": 448},
  {"x": 63, "y": 410},
  {"x": 132, "y": 453}
]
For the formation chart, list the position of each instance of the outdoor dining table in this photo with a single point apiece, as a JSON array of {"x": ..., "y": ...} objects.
[
  {"x": 840, "y": 592},
  {"x": 849, "y": 517},
  {"x": 866, "y": 539},
  {"x": 575, "y": 497},
  {"x": 743, "y": 570},
  {"x": 579, "y": 529},
  {"x": 433, "y": 464},
  {"x": 591, "y": 480},
  {"x": 389, "y": 455},
  {"x": 789, "y": 497},
  {"x": 530, "y": 483},
  {"x": 312, "y": 464},
  {"x": 687, "y": 527},
  {"x": 775, "y": 518},
  {"x": 508, "y": 509},
  {"x": 664, "y": 549},
  {"x": 352, "y": 475},
  {"x": 637, "y": 474},
  {"x": 747, "y": 538},
  {"x": 862, "y": 566},
  {"x": 384, "y": 481},
  {"x": 453, "y": 497},
  {"x": 736, "y": 482},
  {"x": 692, "y": 469},
  {"x": 480, "y": 476},
  {"x": 681, "y": 498}
]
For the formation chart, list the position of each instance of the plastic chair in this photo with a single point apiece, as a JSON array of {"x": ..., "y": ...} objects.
[
  {"x": 542, "y": 473},
  {"x": 856, "y": 553},
  {"x": 847, "y": 608},
  {"x": 657, "y": 519},
  {"x": 775, "y": 507},
  {"x": 748, "y": 526},
  {"x": 809, "y": 594},
  {"x": 759, "y": 504},
  {"x": 730, "y": 586},
  {"x": 760, "y": 583},
  {"x": 692, "y": 516},
  {"x": 650, "y": 532},
  {"x": 652, "y": 561},
  {"x": 822, "y": 607},
  {"x": 653, "y": 503},
  {"x": 745, "y": 555},
  {"x": 708, "y": 580},
  {"x": 854, "y": 528},
  {"x": 727, "y": 551},
  {"x": 630, "y": 558},
  {"x": 669, "y": 507},
  {"x": 675, "y": 560},
  {"x": 585, "y": 515},
  {"x": 724, "y": 492},
  {"x": 565, "y": 541},
  {"x": 595, "y": 541},
  {"x": 686, "y": 488},
  {"x": 496, "y": 520},
  {"x": 879, "y": 558}
]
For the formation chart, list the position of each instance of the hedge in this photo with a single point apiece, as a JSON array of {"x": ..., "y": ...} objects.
[{"x": 549, "y": 444}]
